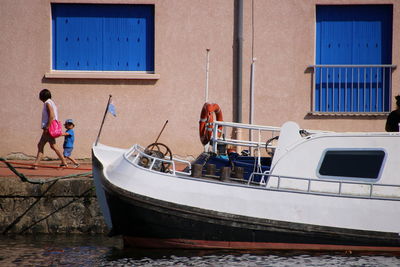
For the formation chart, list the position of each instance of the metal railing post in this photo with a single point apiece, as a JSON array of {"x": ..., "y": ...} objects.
[
  {"x": 383, "y": 89},
  {"x": 214, "y": 137}
]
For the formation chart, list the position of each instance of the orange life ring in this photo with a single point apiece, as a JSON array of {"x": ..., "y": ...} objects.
[{"x": 206, "y": 122}]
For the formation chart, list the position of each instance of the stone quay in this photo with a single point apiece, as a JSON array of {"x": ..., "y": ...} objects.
[{"x": 53, "y": 201}]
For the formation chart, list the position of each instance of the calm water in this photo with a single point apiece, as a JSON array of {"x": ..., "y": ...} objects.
[{"x": 104, "y": 251}]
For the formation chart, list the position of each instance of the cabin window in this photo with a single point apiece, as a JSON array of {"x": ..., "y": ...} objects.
[
  {"x": 352, "y": 163},
  {"x": 103, "y": 37},
  {"x": 353, "y": 70}
]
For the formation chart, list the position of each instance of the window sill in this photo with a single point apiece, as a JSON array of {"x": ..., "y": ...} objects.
[
  {"x": 118, "y": 75},
  {"x": 348, "y": 114}
]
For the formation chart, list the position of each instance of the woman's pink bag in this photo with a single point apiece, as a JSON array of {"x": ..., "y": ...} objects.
[{"x": 55, "y": 129}]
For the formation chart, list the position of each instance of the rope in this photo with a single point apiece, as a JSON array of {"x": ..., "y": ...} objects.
[
  {"x": 44, "y": 166},
  {"x": 40, "y": 181},
  {"x": 55, "y": 211},
  {"x": 18, "y": 219}
]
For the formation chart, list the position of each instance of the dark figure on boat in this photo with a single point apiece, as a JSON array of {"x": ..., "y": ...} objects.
[{"x": 393, "y": 120}]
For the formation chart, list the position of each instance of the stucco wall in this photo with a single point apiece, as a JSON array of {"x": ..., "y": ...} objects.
[{"x": 284, "y": 45}]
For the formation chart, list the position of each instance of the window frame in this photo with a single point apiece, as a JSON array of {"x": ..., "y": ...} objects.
[
  {"x": 347, "y": 107},
  {"x": 100, "y": 74},
  {"x": 351, "y": 178}
]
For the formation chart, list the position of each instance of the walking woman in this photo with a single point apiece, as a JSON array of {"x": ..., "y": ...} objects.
[{"x": 49, "y": 113}]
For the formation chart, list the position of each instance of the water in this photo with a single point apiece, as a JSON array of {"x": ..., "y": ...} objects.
[{"x": 78, "y": 250}]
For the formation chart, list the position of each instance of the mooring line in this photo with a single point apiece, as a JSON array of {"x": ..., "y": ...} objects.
[
  {"x": 41, "y": 181},
  {"x": 74, "y": 199},
  {"x": 18, "y": 219},
  {"x": 45, "y": 166}
]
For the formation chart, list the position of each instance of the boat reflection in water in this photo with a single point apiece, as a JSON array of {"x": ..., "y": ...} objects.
[{"x": 95, "y": 250}]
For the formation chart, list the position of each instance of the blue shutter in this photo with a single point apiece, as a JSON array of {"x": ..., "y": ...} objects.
[
  {"x": 77, "y": 39},
  {"x": 352, "y": 35},
  {"x": 103, "y": 37},
  {"x": 148, "y": 28}
]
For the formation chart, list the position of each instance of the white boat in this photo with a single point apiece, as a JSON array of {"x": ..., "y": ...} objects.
[{"x": 314, "y": 190}]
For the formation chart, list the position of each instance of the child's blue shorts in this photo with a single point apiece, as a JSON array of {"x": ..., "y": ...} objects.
[{"x": 67, "y": 151}]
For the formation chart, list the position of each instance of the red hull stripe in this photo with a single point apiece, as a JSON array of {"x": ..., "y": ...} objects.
[{"x": 202, "y": 244}]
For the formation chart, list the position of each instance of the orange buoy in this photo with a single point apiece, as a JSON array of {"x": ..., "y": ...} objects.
[{"x": 206, "y": 121}]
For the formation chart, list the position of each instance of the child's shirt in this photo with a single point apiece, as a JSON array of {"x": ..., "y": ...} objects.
[{"x": 69, "y": 139}]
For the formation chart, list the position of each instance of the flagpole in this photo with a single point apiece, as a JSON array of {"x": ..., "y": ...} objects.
[{"x": 104, "y": 117}]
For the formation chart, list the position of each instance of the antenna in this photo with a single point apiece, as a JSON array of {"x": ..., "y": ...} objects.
[
  {"x": 165, "y": 124},
  {"x": 207, "y": 71}
]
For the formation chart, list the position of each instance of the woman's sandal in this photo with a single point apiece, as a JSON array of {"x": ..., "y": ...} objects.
[
  {"x": 34, "y": 167},
  {"x": 63, "y": 166}
]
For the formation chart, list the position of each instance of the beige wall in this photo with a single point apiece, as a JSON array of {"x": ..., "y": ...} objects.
[{"x": 284, "y": 41}]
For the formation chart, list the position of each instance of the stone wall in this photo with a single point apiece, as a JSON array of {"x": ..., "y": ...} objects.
[{"x": 59, "y": 207}]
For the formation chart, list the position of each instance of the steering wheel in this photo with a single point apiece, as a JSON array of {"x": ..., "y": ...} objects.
[
  {"x": 269, "y": 141},
  {"x": 161, "y": 151}
]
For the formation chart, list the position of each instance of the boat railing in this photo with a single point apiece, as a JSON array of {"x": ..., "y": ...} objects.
[
  {"x": 263, "y": 134},
  {"x": 137, "y": 155},
  {"x": 350, "y": 189}
]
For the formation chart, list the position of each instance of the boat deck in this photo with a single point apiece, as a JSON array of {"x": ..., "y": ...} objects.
[{"x": 264, "y": 180}]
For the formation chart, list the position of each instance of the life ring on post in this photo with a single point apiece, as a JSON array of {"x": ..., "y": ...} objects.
[{"x": 206, "y": 121}]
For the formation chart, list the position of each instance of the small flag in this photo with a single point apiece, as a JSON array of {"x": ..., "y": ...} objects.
[{"x": 111, "y": 109}]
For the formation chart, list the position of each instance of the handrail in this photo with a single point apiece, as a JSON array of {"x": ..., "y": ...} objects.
[
  {"x": 243, "y": 143},
  {"x": 280, "y": 178},
  {"x": 215, "y": 140},
  {"x": 155, "y": 161},
  {"x": 247, "y": 126}
]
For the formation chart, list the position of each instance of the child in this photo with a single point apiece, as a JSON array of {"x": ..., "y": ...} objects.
[{"x": 69, "y": 141}]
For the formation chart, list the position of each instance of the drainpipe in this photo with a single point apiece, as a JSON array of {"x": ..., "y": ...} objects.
[
  {"x": 239, "y": 57},
  {"x": 236, "y": 133}
]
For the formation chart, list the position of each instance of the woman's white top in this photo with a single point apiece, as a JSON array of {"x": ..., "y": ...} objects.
[{"x": 45, "y": 114}]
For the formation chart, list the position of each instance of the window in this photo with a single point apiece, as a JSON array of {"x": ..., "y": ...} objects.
[
  {"x": 352, "y": 163},
  {"x": 353, "y": 59},
  {"x": 103, "y": 37}
]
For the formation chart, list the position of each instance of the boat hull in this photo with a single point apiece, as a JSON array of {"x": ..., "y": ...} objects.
[
  {"x": 155, "y": 210},
  {"x": 152, "y": 223}
]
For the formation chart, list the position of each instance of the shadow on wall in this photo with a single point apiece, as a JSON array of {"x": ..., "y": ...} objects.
[
  {"x": 311, "y": 116},
  {"x": 99, "y": 81}
]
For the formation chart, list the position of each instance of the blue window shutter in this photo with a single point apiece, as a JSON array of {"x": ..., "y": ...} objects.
[
  {"x": 149, "y": 40},
  {"x": 103, "y": 37},
  {"x": 78, "y": 38},
  {"x": 352, "y": 35}
]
